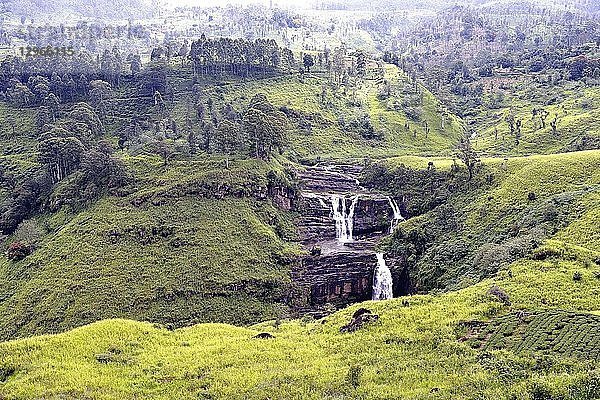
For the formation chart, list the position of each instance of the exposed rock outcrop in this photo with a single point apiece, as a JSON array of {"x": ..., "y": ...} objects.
[
  {"x": 339, "y": 278},
  {"x": 361, "y": 317},
  {"x": 336, "y": 273},
  {"x": 263, "y": 335}
]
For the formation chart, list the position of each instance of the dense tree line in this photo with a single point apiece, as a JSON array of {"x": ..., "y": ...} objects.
[
  {"x": 238, "y": 56},
  {"x": 454, "y": 52},
  {"x": 72, "y": 102},
  {"x": 72, "y": 156},
  {"x": 256, "y": 131}
]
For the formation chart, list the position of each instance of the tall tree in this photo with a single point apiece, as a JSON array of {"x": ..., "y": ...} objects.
[
  {"x": 467, "y": 154},
  {"x": 308, "y": 61},
  {"x": 228, "y": 137}
]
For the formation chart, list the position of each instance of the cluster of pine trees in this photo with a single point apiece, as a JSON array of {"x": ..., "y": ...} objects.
[{"x": 239, "y": 56}]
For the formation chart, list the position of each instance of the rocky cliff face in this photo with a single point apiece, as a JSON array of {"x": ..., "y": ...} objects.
[
  {"x": 337, "y": 279},
  {"x": 340, "y": 272}
]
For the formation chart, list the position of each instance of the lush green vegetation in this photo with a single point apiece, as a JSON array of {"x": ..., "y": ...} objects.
[
  {"x": 148, "y": 226},
  {"x": 412, "y": 352},
  {"x": 570, "y": 334},
  {"x": 464, "y": 230},
  {"x": 174, "y": 251}
]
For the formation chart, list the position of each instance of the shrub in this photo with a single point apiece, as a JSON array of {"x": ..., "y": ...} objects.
[
  {"x": 586, "y": 387},
  {"x": 363, "y": 126},
  {"x": 540, "y": 391},
  {"x": 531, "y": 196},
  {"x": 17, "y": 251},
  {"x": 353, "y": 377},
  {"x": 492, "y": 257},
  {"x": 577, "y": 276},
  {"x": 6, "y": 371},
  {"x": 500, "y": 294},
  {"x": 546, "y": 251}
]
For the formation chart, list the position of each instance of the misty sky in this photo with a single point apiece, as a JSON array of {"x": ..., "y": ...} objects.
[{"x": 209, "y": 3}]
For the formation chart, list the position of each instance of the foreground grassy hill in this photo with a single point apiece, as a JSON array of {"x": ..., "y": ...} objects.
[
  {"x": 189, "y": 243},
  {"x": 414, "y": 351}
]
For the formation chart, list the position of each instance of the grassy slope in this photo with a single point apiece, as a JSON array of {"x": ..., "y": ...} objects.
[
  {"x": 17, "y": 149},
  {"x": 179, "y": 257},
  {"x": 85, "y": 267},
  {"x": 566, "y": 188},
  {"x": 575, "y": 105},
  {"x": 328, "y": 138},
  {"x": 570, "y": 333},
  {"x": 410, "y": 351}
]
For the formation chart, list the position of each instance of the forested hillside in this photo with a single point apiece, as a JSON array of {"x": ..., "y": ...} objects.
[{"x": 45, "y": 9}]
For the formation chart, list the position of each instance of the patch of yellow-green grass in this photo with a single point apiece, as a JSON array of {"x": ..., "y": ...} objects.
[
  {"x": 584, "y": 231},
  {"x": 392, "y": 122},
  {"x": 288, "y": 91},
  {"x": 329, "y": 138},
  {"x": 542, "y": 176},
  {"x": 416, "y": 162},
  {"x": 410, "y": 353},
  {"x": 17, "y": 137}
]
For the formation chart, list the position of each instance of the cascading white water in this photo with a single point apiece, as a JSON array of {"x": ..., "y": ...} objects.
[
  {"x": 397, "y": 215},
  {"x": 382, "y": 280},
  {"x": 343, "y": 217}
]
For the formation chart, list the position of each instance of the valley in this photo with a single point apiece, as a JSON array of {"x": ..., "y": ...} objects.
[{"x": 300, "y": 201}]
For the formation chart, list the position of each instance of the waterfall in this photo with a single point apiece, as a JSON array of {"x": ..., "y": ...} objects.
[
  {"x": 397, "y": 215},
  {"x": 344, "y": 217},
  {"x": 382, "y": 280}
]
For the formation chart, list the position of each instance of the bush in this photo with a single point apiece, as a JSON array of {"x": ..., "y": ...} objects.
[
  {"x": 353, "y": 377},
  {"x": 531, "y": 196},
  {"x": 363, "y": 126},
  {"x": 499, "y": 294},
  {"x": 6, "y": 371},
  {"x": 586, "y": 387},
  {"x": 546, "y": 251},
  {"x": 17, "y": 251},
  {"x": 577, "y": 276},
  {"x": 413, "y": 113},
  {"x": 540, "y": 391}
]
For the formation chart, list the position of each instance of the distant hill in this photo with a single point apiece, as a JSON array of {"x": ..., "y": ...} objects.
[
  {"x": 92, "y": 8},
  {"x": 398, "y": 5}
]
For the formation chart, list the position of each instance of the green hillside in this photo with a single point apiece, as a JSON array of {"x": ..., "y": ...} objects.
[
  {"x": 191, "y": 210},
  {"x": 414, "y": 351},
  {"x": 176, "y": 250},
  {"x": 573, "y": 106},
  {"x": 567, "y": 333},
  {"x": 421, "y": 346},
  {"x": 326, "y": 122},
  {"x": 175, "y": 245},
  {"x": 462, "y": 231}
]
